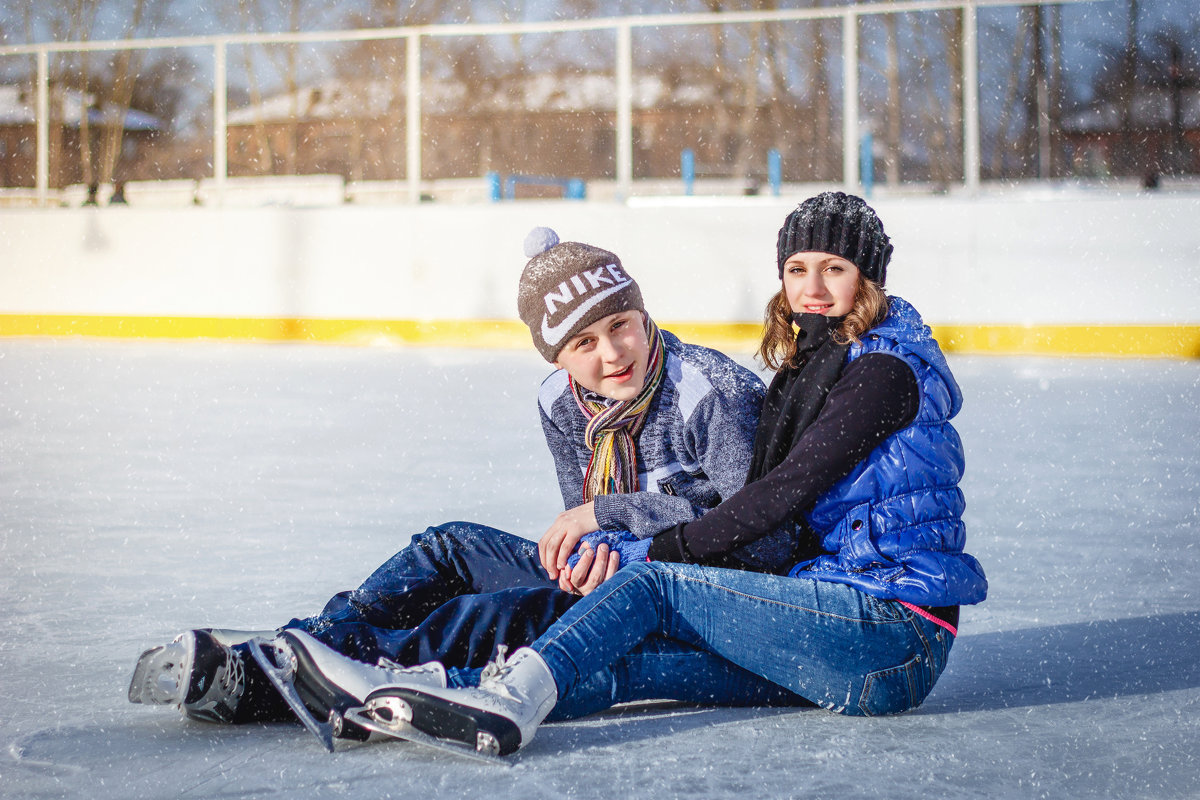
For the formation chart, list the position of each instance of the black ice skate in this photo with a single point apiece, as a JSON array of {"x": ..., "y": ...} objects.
[
  {"x": 321, "y": 684},
  {"x": 197, "y": 671}
]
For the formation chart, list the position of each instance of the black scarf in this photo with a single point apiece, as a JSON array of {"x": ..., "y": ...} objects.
[{"x": 796, "y": 394}]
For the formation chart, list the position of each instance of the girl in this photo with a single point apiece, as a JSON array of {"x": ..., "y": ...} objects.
[
  {"x": 646, "y": 432},
  {"x": 854, "y": 458}
]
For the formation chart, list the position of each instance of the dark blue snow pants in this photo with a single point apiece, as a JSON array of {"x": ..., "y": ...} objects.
[{"x": 452, "y": 595}]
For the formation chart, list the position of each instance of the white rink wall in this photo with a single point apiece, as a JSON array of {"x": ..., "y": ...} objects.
[{"x": 1027, "y": 259}]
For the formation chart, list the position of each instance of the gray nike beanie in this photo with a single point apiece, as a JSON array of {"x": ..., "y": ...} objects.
[{"x": 566, "y": 286}]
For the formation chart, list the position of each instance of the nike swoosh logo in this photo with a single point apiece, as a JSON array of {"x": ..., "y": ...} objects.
[{"x": 554, "y": 334}]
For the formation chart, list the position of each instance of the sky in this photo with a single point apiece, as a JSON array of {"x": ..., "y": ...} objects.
[
  {"x": 1101, "y": 19},
  {"x": 1091, "y": 26}
]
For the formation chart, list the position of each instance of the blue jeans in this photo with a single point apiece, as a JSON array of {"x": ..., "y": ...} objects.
[
  {"x": 453, "y": 594},
  {"x": 829, "y": 643},
  {"x": 459, "y": 590},
  {"x": 664, "y": 669}
]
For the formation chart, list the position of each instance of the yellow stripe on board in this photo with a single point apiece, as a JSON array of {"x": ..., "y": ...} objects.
[
  {"x": 1177, "y": 341},
  {"x": 448, "y": 333}
]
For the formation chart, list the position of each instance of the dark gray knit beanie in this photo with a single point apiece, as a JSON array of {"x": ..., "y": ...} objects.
[
  {"x": 841, "y": 224},
  {"x": 566, "y": 286}
]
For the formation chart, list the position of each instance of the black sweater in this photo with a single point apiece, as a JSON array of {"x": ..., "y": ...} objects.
[{"x": 875, "y": 396}]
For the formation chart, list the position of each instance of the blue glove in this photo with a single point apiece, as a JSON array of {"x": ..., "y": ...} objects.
[{"x": 629, "y": 546}]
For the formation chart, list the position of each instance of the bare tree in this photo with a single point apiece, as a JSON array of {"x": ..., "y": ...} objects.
[
  {"x": 102, "y": 82},
  {"x": 120, "y": 94},
  {"x": 259, "y": 16},
  {"x": 1175, "y": 75},
  {"x": 822, "y": 125},
  {"x": 1129, "y": 67},
  {"x": 941, "y": 124},
  {"x": 80, "y": 25},
  {"x": 1002, "y": 146},
  {"x": 1159, "y": 68},
  {"x": 372, "y": 66},
  {"x": 893, "y": 108},
  {"x": 1057, "y": 93},
  {"x": 1036, "y": 149}
]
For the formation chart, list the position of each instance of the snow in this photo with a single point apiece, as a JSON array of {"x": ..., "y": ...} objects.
[{"x": 153, "y": 487}]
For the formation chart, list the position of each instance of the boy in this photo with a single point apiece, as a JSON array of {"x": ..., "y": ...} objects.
[{"x": 646, "y": 433}]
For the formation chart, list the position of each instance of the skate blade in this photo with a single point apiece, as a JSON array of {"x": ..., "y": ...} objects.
[
  {"x": 139, "y": 685},
  {"x": 283, "y": 680},
  {"x": 235, "y": 636},
  {"x": 160, "y": 675},
  {"x": 386, "y": 715}
]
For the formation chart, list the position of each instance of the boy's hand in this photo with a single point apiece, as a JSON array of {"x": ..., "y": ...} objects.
[{"x": 559, "y": 541}]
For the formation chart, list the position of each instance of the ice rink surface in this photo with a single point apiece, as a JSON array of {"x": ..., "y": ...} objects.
[{"x": 151, "y": 487}]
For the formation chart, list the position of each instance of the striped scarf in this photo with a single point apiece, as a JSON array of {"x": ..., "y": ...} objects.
[{"x": 612, "y": 430}]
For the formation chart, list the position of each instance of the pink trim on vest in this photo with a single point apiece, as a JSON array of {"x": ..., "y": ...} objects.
[{"x": 918, "y": 610}]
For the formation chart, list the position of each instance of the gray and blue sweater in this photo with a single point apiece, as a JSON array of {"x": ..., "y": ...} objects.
[{"x": 692, "y": 452}]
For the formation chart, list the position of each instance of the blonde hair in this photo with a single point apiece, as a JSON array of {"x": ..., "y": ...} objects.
[{"x": 778, "y": 347}]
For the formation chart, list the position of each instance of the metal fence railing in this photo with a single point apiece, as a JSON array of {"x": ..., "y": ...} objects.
[{"x": 790, "y": 95}]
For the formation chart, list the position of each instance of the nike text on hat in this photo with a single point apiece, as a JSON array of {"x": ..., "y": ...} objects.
[{"x": 566, "y": 286}]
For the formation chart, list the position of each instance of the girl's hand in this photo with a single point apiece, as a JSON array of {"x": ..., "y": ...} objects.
[
  {"x": 559, "y": 541},
  {"x": 594, "y": 568}
]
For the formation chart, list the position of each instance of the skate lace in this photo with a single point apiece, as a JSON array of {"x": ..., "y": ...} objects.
[
  {"x": 393, "y": 666},
  {"x": 232, "y": 679},
  {"x": 495, "y": 669}
]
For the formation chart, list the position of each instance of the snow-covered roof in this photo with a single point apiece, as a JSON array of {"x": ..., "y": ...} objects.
[
  {"x": 17, "y": 108},
  {"x": 336, "y": 99},
  {"x": 1150, "y": 109},
  {"x": 14, "y": 106}
]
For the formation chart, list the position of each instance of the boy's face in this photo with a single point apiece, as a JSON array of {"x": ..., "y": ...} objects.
[
  {"x": 820, "y": 283},
  {"x": 609, "y": 356}
]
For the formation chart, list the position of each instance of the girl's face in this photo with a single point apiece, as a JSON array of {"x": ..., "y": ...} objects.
[
  {"x": 820, "y": 283},
  {"x": 609, "y": 356}
]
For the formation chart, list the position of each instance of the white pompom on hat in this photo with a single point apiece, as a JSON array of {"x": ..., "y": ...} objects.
[{"x": 539, "y": 240}]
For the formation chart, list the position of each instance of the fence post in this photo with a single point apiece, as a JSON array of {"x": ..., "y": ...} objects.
[
  {"x": 774, "y": 170},
  {"x": 687, "y": 167},
  {"x": 220, "y": 120},
  {"x": 866, "y": 156},
  {"x": 849, "y": 100},
  {"x": 624, "y": 110},
  {"x": 412, "y": 134},
  {"x": 43, "y": 127},
  {"x": 970, "y": 79}
]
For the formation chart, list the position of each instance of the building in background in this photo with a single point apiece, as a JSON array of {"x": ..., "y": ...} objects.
[
  {"x": 77, "y": 142},
  {"x": 1156, "y": 132},
  {"x": 357, "y": 129}
]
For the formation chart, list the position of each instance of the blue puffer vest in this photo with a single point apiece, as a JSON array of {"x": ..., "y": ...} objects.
[{"x": 893, "y": 527}]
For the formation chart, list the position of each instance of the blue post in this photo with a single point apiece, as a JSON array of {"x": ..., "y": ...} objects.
[
  {"x": 576, "y": 189},
  {"x": 687, "y": 165},
  {"x": 493, "y": 182},
  {"x": 774, "y": 170},
  {"x": 866, "y": 163}
]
